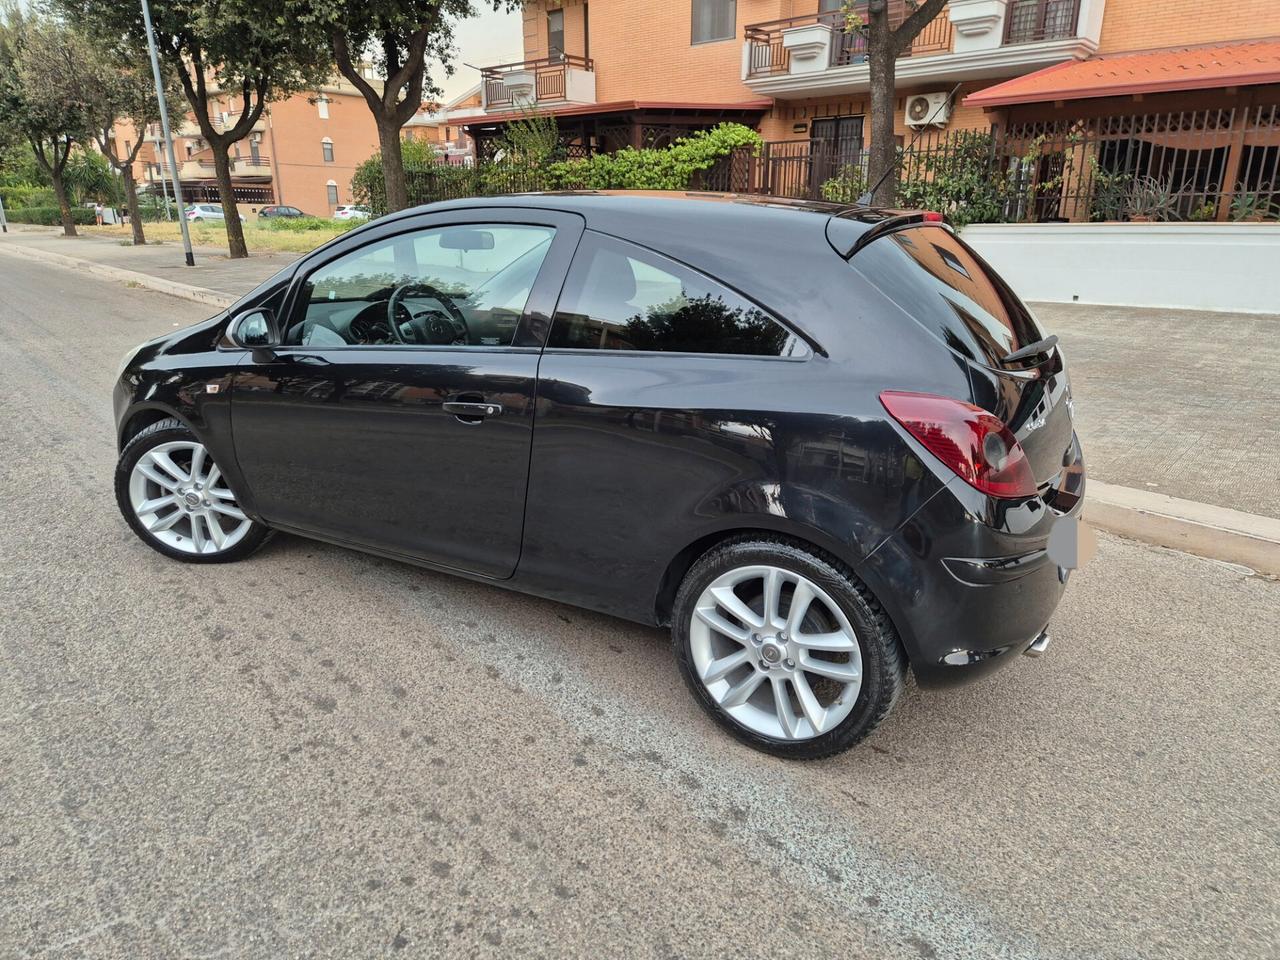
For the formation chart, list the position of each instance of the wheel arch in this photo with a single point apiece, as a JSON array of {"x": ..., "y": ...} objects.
[{"x": 144, "y": 416}]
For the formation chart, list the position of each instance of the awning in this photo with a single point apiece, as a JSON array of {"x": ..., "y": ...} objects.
[
  {"x": 727, "y": 110},
  {"x": 1210, "y": 66}
]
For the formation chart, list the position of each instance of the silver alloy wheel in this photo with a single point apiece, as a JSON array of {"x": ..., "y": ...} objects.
[
  {"x": 180, "y": 497},
  {"x": 776, "y": 652}
]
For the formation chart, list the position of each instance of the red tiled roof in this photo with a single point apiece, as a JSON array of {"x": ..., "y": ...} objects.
[
  {"x": 623, "y": 106},
  {"x": 1149, "y": 71}
]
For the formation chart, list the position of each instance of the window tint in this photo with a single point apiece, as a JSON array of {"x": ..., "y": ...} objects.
[
  {"x": 621, "y": 297},
  {"x": 454, "y": 286},
  {"x": 713, "y": 20}
]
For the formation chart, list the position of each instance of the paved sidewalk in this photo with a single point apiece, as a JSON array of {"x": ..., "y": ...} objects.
[
  {"x": 164, "y": 261},
  {"x": 1180, "y": 403}
]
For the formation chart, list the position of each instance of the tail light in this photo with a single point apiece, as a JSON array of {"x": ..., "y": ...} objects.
[{"x": 975, "y": 444}]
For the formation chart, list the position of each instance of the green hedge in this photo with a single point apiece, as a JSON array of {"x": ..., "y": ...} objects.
[
  {"x": 673, "y": 168},
  {"x": 50, "y": 216}
]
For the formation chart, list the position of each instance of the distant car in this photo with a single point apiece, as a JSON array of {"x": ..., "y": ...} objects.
[
  {"x": 351, "y": 212},
  {"x": 823, "y": 444},
  {"x": 280, "y": 211},
  {"x": 207, "y": 211}
]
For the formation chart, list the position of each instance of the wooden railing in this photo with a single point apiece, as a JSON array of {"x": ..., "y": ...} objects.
[
  {"x": 550, "y": 78},
  {"x": 768, "y": 57}
]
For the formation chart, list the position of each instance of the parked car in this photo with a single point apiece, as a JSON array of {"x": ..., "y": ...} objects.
[
  {"x": 351, "y": 212},
  {"x": 197, "y": 212},
  {"x": 823, "y": 445},
  {"x": 279, "y": 210}
]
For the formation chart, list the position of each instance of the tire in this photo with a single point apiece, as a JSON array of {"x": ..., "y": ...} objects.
[
  {"x": 852, "y": 679},
  {"x": 213, "y": 530}
]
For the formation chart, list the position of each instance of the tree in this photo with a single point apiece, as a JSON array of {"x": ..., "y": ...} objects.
[
  {"x": 128, "y": 94},
  {"x": 885, "y": 44},
  {"x": 402, "y": 34},
  {"x": 245, "y": 50},
  {"x": 44, "y": 95}
]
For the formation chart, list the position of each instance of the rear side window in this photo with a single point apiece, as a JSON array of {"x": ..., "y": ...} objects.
[
  {"x": 622, "y": 297},
  {"x": 937, "y": 280}
]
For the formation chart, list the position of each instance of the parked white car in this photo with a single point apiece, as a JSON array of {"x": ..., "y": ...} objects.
[
  {"x": 207, "y": 211},
  {"x": 349, "y": 211}
]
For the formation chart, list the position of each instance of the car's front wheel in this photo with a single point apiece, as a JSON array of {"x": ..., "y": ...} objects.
[
  {"x": 785, "y": 648},
  {"x": 177, "y": 501}
]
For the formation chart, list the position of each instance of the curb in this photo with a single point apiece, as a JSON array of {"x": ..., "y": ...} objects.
[
  {"x": 1218, "y": 533},
  {"x": 132, "y": 277}
]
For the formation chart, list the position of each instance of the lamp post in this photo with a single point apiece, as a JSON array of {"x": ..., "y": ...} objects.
[{"x": 168, "y": 140}]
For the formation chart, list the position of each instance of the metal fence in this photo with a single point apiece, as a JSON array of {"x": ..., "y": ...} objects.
[{"x": 1213, "y": 164}]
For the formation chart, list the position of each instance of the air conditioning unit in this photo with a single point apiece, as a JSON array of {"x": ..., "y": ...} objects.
[
  {"x": 255, "y": 138},
  {"x": 928, "y": 109}
]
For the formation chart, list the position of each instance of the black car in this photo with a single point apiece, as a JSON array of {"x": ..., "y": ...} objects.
[
  {"x": 823, "y": 444},
  {"x": 279, "y": 210}
]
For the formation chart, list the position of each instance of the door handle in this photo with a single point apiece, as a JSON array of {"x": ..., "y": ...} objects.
[{"x": 472, "y": 411}]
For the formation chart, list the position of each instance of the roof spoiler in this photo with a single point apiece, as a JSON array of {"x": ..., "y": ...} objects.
[{"x": 852, "y": 230}]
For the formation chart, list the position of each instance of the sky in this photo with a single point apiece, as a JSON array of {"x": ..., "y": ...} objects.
[{"x": 483, "y": 41}]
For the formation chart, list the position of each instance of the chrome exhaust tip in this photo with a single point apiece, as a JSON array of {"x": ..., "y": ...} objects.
[{"x": 1039, "y": 645}]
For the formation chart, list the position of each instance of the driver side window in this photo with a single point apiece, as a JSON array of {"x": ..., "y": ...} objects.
[{"x": 463, "y": 286}]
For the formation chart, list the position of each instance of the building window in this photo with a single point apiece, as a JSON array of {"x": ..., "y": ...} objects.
[
  {"x": 326, "y": 148},
  {"x": 555, "y": 34},
  {"x": 332, "y": 189},
  {"x": 714, "y": 20},
  {"x": 322, "y": 104}
]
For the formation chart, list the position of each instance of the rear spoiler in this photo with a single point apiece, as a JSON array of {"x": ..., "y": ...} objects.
[{"x": 852, "y": 230}]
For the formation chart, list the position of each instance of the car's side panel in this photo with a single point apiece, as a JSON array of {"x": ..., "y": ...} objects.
[{"x": 636, "y": 456}]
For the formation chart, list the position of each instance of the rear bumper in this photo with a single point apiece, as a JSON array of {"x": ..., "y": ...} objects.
[{"x": 970, "y": 580}]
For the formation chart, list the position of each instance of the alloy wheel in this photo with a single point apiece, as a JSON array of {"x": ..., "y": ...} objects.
[
  {"x": 180, "y": 497},
  {"x": 775, "y": 652}
]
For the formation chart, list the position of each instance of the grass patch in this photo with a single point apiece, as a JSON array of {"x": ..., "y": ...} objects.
[{"x": 260, "y": 236}]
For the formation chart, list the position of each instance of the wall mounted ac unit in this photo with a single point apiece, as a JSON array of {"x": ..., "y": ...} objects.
[
  {"x": 255, "y": 138},
  {"x": 927, "y": 109}
]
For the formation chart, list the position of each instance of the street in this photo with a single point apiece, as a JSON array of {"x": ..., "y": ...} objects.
[{"x": 319, "y": 753}]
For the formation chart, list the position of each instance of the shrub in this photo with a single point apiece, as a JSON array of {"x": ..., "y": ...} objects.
[
  {"x": 305, "y": 224},
  {"x": 847, "y": 186},
  {"x": 50, "y": 216},
  {"x": 672, "y": 168}
]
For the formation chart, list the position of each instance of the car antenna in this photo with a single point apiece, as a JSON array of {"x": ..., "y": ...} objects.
[{"x": 866, "y": 199}]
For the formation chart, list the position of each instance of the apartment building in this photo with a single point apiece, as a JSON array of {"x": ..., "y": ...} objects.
[
  {"x": 302, "y": 151},
  {"x": 442, "y": 126},
  {"x": 1163, "y": 89}
]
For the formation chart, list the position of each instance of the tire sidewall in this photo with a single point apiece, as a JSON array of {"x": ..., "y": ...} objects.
[
  {"x": 168, "y": 431},
  {"x": 882, "y": 665}
]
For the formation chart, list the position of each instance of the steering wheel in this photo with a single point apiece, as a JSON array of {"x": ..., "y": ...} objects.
[{"x": 396, "y": 301}]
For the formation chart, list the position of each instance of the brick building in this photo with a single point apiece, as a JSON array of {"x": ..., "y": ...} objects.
[
  {"x": 302, "y": 151},
  {"x": 1201, "y": 116},
  {"x": 441, "y": 125}
]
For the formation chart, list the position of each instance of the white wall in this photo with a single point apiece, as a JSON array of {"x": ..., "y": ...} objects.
[{"x": 1211, "y": 266}]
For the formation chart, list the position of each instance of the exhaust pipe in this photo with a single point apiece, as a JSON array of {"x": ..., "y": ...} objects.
[{"x": 1039, "y": 645}]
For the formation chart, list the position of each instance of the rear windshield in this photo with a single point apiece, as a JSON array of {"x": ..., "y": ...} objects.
[{"x": 936, "y": 279}]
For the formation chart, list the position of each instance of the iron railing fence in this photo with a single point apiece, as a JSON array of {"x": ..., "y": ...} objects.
[
  {"x": 1211, "y": 164},
  {"x": 549, "y": 79}
]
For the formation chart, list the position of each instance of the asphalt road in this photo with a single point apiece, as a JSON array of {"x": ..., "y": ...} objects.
[{"x": 316, "y": 753}]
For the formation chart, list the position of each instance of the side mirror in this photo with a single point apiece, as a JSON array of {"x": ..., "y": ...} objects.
[{"x": 256, "y": 330}]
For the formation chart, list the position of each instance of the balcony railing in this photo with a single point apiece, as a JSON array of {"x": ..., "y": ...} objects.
[
  {"x": 1027, "y": 21},
  {"x": 550, "y": 79},
  {"x": 769, "y": 55}
]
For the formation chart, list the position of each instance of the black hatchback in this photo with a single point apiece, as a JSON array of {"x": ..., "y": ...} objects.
[{"x": 823, "y": 444}]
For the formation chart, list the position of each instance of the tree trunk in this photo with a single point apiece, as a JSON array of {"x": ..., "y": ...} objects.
[
  {"x": 131, "y": 204},
  {"x": 392, "y": 164},
  {"x": 64, "y": 205},
  {"x": 882, "y": 61},
  {"x": 236, "y": 247}
]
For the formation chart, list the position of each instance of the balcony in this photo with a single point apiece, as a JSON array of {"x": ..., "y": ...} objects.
[
  {"x": 258, "y": 166},
  {"x": 818, "y": 55},
  {"x": 551, "y": 81}
]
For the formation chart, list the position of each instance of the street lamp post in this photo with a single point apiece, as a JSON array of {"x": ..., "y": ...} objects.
[{"x": 168, "y": 140}]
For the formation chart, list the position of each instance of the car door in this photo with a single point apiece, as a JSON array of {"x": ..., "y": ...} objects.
[{"x": 413, "y": 439}]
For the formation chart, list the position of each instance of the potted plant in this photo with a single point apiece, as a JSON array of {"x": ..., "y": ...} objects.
[
  {"x": 1252, "y": 205},
  {"x": 1150, "y": 199}
]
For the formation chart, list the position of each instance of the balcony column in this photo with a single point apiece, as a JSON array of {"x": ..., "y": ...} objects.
[{"x": 979, "y": 24}]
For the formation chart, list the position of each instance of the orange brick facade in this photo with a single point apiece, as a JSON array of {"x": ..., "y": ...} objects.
[{"x": 642, "y": 50}]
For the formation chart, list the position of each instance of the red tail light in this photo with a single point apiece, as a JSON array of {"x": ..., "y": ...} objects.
[{"x": 972, "y": 442}]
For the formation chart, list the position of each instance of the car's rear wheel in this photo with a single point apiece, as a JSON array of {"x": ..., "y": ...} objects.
[
  {"x": 177, "y": 501},
  {"x": 785, "y": 648}
]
